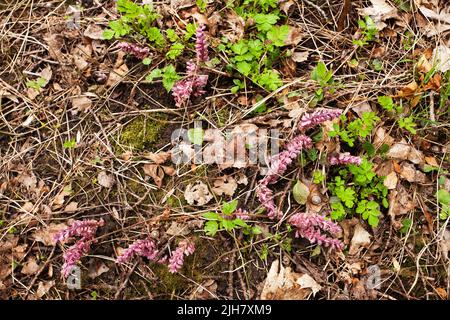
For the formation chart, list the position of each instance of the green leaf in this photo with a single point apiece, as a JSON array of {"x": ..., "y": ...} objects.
[
  {"x": 443, "y": 196},
  {"x": 70, "y": 144},
  {"x": 265, "y": 21},
  {"x": 175, "y": 50},
  {"x": 229, "y": 207},
  {"x": 195, "y": 135},
  {"x": 211, "y": 228},
  {"x": 244, "y": 67},
  {"x": 146, "y": 61},
  {"x": 227, "y": 224},
  {"x": 300, "y": 192},
  {"x": 108, "y": 34},
  {"x": 190, "y": 31},
  {"x": 240, "y": 223},
  {"x": 156, "y": 73},
  {"x": 212, "y": 216},
  {"x": 277, "y": 35},
  {"x": 171, "y": 35},
  {"x": 170, "y": 76},
  {"x": 256, "y": 230},
  {"x": 386, "y": 103},
  {"x": 269, "y": 80}
]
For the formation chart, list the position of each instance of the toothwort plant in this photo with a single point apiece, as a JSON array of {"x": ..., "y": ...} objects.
[
  {"x": 176, "y": 261},
  {"x": 86, "y": 231},
  {"x": 196, "y": 79},
  {"x": 134, "y": 49},
  {"x": 309, "y": 226}
]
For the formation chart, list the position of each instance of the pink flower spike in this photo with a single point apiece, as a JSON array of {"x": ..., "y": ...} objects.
[
  {"x": 345, "y": 158},
  {"x": 145, "y": 248},
  {"x": 84, "y": 229},
  {"x": 201, "y": 46},
  {"x": 135, "y": 50},
  {"x": 176, "y": 261},
  {"x": 74, "y": 254},
  {"x": 310, "y": 120},
  {"x": 312, "y": 226}
]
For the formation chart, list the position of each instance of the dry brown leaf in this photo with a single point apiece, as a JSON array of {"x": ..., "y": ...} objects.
[
  {"x": 236, "y": 24},
  {"x": 300, "y": 56},
  {"x": 399, "y": 151},
  {"x": 46, "y": 235},
  {"x": 441, "y": 57},
  {"x": 44, "y": 287},
  {"x": 178, "y": 229},
  {"x": 158, "y": 158},
  {"x": 445, "y": 243},
  {"x": 294, "y": 36},
  {"x": 106, "y": 180},
  {"x": 71, "y": 207},
  {"x": 156, "y": 172},
  {"x": 380, "y": 11},
  {"x": 94, "y": 32},
  {"x": 82, "y": 103},
  {"x": 197, "y": 194},
  {"x": 224, "y": 185},
  {"x": 362, "y": 108},
  {"x": 361, "y": 238},
  {"x": 438, "y": 20},
  {"x": 400, "y": 202},
  {"x": 391, "y": 180},
  {"x": 58, "y": 201},
  {"x": 117, "y": 75},
  {"x": 30, "y": 267},
  {"x": 283, "y": 284},
  {"x": 410, "y": 174},
  {"x": 28, "y": 180}
]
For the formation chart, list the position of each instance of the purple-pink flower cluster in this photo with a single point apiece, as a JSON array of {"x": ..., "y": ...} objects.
[
  {"x": 310, "y": 120},
  {"x": 313, "y": 227},
  {"x": 195, "y": 80},
  {"x": 344, "y": 158},
  {"x": 86, "y": 231},
  {"x": 176, "y": 261},
  {"x": 147, "y": 248},
  {"x": 135, "y": 50},
  {"x": 278, "y": 165}
]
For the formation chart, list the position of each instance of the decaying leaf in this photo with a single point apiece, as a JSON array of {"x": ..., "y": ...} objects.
[
  {"x": 294, "y": 36},
  {"x": 46, "y": 235},
  {"x": 106, "y": 180},
  {"x": 391, "y": 180},
  {"x": 300, "y": 56},
  {"x": 81, "y": 103},
  {"x": 207, "y": 290},
  {"x": 197, "y": 194},
  {"x": 30, "y": 267},
  {"x": 438, "y": 19},
  {"x": 158, "y": 158},
  {"x": 226, "y": 185},
  {"x": 71, "y": 207},
  {"x": 44, "y": 287},
  {"x": 156, "y": 172},
  {"x": 361, "y": 238},
  {"x": 178, "y": 229},
  {"x": 380, "y": 11},
  {"x": 441, "y": 57},
  {"x": 283, "y": 284}
]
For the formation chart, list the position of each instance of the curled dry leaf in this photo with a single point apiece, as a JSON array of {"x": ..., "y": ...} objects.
[
  {"x": 58, "y": 201},
  {"x": 361, "y": 238},
  {"x": 445, "y": 243},
  {"x": 441, "y": 57},
  {"x": 410, "y": 174},
  {"x": 224, "y": 185},
  {"x": 30, "y": 267},
  {"x": 71, "y": 207},
  {"x": 156, "y": 172},
  {"x": 158, "y": 158},
  {"x": 94, "y": 32},
  {"x": 82, "y": 103},
  {"x": 300, "y": 56},
  {"x": 47, "y": 234},
  {"x": 178, "y": 229},
  {"x": 438, "y": 19},
  {"x": 283, "y": 284},
  {"x": 294, "y": 36},
  {"x": 117, "y": 75},
  {"x": 400, "y": 202},
  {"x": 106, "y": 180},
  {"x": 197, "y": 194},
  {"x": 391, "y": 180},
  {"x": 380, "y": 11},
  {"x": 44, "y": 287}
]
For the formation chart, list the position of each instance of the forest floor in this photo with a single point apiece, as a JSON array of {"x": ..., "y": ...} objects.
[{"x": 87, "y": 127}]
